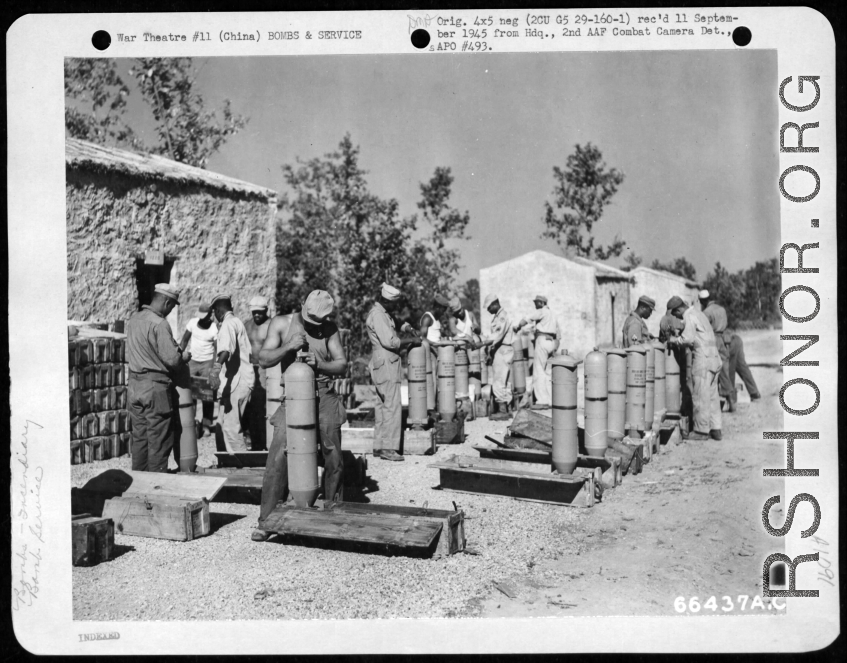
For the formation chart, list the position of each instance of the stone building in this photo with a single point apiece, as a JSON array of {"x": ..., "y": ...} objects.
[
  {"x": 661, "y": 286},
  {"x": 134, "y": 220},
  {"x": 590, "y": 299}
]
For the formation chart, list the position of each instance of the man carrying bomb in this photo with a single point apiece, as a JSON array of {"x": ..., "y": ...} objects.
[
  {"x": 155, "y": 361},
  {"x": 311, "y": 331}
]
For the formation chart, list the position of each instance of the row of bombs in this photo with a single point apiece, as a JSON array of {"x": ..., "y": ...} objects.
[{"x": 625, "y": 390}]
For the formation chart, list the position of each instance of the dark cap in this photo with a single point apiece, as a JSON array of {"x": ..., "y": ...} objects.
[
  {"x": 647, "y": 301},
  {"x": 675, "y": 302}
]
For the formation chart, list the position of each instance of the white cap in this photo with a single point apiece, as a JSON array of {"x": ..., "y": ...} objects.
[
  {"x": 704, "y": 294},
  {"x": 258, "y": 303}
]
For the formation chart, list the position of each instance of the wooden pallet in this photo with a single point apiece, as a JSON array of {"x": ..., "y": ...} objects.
[
  {"x": 150, "y": 504},
  {"x": 610, "y": 466},
  {"x": 92, "y": 539},
  {"x": 450, "y": 432},
  {"x": 491, "y": 476},
  {"x": 398, "y": 533}
]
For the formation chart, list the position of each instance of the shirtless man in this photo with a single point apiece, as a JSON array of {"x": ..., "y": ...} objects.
[
  {"x": 311, "y": 330},
  {"x": 257, "y": 331}
]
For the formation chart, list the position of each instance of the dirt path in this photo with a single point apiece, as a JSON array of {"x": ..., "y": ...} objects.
[{"x": 688, "y": 525}]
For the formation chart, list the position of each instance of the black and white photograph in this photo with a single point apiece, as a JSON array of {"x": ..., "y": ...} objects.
[{"x": 434, "y": 338}]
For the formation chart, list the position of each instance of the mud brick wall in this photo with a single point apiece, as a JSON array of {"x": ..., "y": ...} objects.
[
  {"x": 221, "y": 240},
  {"x": 97, "y": 378}
]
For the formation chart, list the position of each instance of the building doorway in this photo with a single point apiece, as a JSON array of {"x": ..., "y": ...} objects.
[{"x": 146, "y": 278}]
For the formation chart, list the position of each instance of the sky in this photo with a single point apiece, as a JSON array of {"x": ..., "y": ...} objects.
[{"x": 695, "y": 134}]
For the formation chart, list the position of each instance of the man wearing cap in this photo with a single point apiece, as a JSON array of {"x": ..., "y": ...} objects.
[
  {"x": 430, "y": 324},
  {"x": 670, "y": 331},
  {"x": 705, "y": 367},
  {"x": 309, "y": 330},
  {"x": 499, "y": 344},
  {"x": 257, "y": 332},
  {"x": 200, "y": 337},
  {"x": 716, "y": 315},
  {"x": 155, "y": 361},
  {"x": 546, "y": 342},
  {"x": 386, "y": 370},
  {"x": 463, "y": 324},
  {"x": 232, "y": 374},
  {"x": 634, "y": 328}
]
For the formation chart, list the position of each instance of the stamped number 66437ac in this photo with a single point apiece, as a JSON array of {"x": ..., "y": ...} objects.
[{"x": 681, "y": 604}]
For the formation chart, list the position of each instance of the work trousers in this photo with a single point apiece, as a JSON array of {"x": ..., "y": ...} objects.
[
  {"x": 542, "y": 370},
  {"x": 500, "y": 374},
  {"x": 707, "y": 404},
  {"x": 255, "y": 413},
  {"x": 229, "y": 429},
  {"x": 152, "y": 406},
  {"x": 206, "y": 414},
  {"x": 737, "y": 363},
  {"x": 331, "y": 416},
  {"x": 387, "y": 414},
  {"x": 725, "y": 385}
]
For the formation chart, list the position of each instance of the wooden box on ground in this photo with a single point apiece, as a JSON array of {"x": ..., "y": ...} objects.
[
  {"x": 669, "y": 433},
  {"x": 201, "y": 390},
  {"x": 631, "y": 455},
  {"x": 152, "y": 504},
  {"x": 407, "y": 530},
  {"x": 92, "y": 539},
  {"x": 418, "y": 442},
  {"x": 512, "y": 479},
  {"x": 357, "y": 440},
  {"x": 610, "y": 466},
  {"x": 450, "y": 432},
  {"x": 480, "y": 407}
]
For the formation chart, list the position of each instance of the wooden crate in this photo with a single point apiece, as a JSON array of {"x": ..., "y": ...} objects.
[
  {"x": 96, "y": 448},
  {"x": 151, "y": 504},
  {"x": 450, "y": 432},
  {"x": 610, "y": 466},
  {"x": 92, "y": 539},
  {"x": 669, "y": 434},
  {"x": 418, "y": 442},
  {"x": 511, "y": 479},
  {"x": 77, "y": 457},
  {"x": 631, "y": 455},
  {"x": 358, "y": 440},
  {"x": 400, "y": 533},
  {"x": 481, "y": 408}
]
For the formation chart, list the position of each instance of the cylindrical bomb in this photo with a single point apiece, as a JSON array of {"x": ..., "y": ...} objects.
[
  {"x": 673, "y": 396},
  {"x": 649, "y": 385},
  {"x": 596, "y": 405},
  {"x": 462, "y": 372},
  {"x": 188, "y": 436},
  {"x": 273, "y": 398},
  {"x": 659, "y": 376},
  {"x": 301, "y": 428},
  {"x": 475, "y": 369},
  {"x": 616, "y": 372},
  {"x": 518, "y": 367},
  {"x": 430, "y": 378},
  {"x": 529, "y": 348},
  {"x": 447, "y": 382},
  {"x": 636, "y": 380},
  {"x": 417, "y": 386},
  {"x": 565, "y": 439}
]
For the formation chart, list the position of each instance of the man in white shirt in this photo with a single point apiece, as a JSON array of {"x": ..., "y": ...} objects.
[
  {"x": 200, "y": 337},
  {"x": 546, "y": 343},
  {"x": 499, "y": 341},
  {"x": 232, "y": 373}
]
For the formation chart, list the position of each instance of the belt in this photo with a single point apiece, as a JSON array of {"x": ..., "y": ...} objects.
[
  {"x": 144, "y": 374},
  {"x": 550, "y": 336}
]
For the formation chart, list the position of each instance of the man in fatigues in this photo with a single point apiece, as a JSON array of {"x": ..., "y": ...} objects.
[
  {"x": 737, "y": 362},
  {"x": 670, "y": 330},
  {"x": 233, "y": 374},
  {"x": 386, "y": 371},
  {"x": 499, "y": 344},
  {"x": 546, "y": 344},
  {"x": 257, "y": 332},
  {"x": 705, "y": 368},
  {"x": 154, "y": 360},
  {"x": 716, "y": 315},
  {"x": 463, "y": 324},
  {"x": 634, "y": 328},
  {"x": 309, "y": 330}
]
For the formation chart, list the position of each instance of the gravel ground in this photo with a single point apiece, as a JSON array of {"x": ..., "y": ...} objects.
[{"x": 227, "y": 576}]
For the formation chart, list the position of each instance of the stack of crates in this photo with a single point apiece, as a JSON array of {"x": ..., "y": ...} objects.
[
  {"x": 344, "y": 387},
  {"x": 97, "y": 375}
]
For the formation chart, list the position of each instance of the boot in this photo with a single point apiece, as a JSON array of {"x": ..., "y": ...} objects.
[
  {"x": 697, "y": 435},
  {"x": 715, "y": 434}
]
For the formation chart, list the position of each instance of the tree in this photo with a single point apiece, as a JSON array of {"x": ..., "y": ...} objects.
[
  {"x": 680, "y": 267},
  {"x": 339, "y": 237},
  {"x": 581, "y": 193},
  {"x": 188, "y": 131},
  {"x": 95, "y": 101},
  {"x": 763, "y": 286},
  {"x": 470, "y": 296},
  {"x": 631, "y": 261},
  {"x": 728, "y": 290}
]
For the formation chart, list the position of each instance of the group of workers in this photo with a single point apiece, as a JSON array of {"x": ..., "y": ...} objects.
[{"x": 233, "y": 356}]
